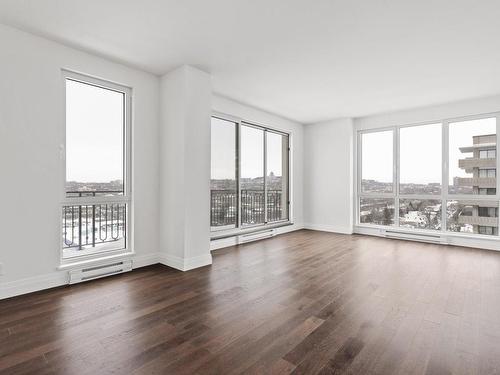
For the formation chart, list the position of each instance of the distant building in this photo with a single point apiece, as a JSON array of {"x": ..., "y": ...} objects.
[{"x": 482, "y": 166}]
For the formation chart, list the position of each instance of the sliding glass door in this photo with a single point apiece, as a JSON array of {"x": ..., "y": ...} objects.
[
  {"x": 250, "y": 174},
  {"x": 223, "y": 183}
]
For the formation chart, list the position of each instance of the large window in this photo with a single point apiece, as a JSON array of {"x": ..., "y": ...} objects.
[
  {"x": 420, "y": 159},
  {"x": 223, "y": 183},
  {"x": 444, "y": 173},
  {"x": 249, "y": 177},
  {"x": 377, "y": 164},
  {"x": 96, "y": 199}
]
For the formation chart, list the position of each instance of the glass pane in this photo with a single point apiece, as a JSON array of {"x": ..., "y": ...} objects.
[
  {"x": 94, "y": 140},
  {"x": 376, "y": 211},
  {"x": 377, "y": 162},
  {"x": 223, "y": 193},
  {"x": 277, "y": 176},
  {"x": 420, "y": 213},
  {"x": 473, "y": 148},
  {"x": 89, "y": 229},
  {"x": 479, "y": 217},
  {"x": 420, "y": 159},
  {"x": 252, "y": 175}
]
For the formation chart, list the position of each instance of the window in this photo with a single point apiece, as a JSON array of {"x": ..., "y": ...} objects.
[
  {"x": 249, "y": 177},
  {"x": 277, "y": 176},
  {"x": 252, "y": 175},
  {"x": 485, "y": 230},
  {"x": 420, "y": 159},
  {"x": 470, "y": 142},
  {"x": 420, "y": 213},
  {"x": 223, "y": 186},
  {"x": 378, "y": 211},
  {"x": 487, "y": 154},
  {"x": 377, "y": 162},
  {"x": 472, "y": 217},
  {"x": 448, "y": 166},
  {"x": 487, "y": 211},
  {"x": 96, "y": 200},
  {"x": 487, "y": 173},
  {"x": 487, "y": 191}
]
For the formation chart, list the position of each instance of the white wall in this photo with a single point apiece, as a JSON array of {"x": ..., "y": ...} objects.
[
  {"x": 31, "y": 125},
  {"x": 185, "y": 168},
  {"x": 429, "y": 114},
  {"x": 230, "y": 107},
  {"x": 328, "y": 179}
]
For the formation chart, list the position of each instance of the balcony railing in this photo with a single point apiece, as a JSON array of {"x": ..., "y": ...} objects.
[
  {"x": 91, "y": 225},
  {"x": 224, "y": 207},
  {"x": 482, "y": 182},
  {"x": 478, "y": 220},
  {"x": 469, "y": 163}
]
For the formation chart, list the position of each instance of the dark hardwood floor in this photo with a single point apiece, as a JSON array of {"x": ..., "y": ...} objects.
[{"x": 305, "y": 303}]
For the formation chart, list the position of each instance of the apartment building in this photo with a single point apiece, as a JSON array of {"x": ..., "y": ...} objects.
[{"x": 481, "y": 215}]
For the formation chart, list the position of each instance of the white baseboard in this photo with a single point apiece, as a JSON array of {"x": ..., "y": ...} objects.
[
  {"x": 59, "y": 278},
  {"x": 185, "y": 264},
  {"x": 33, "y": 284},
  {"x": 329, "y": 228},
  {"x": 234, "y": 240},
  {"x": 145, "y": 260}
]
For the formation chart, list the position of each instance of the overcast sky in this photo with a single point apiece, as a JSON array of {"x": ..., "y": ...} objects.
[
  {"x": 94, "y": 133},
  {"x": 420, "y": 151},
  {"x": 252, "y": 154}
]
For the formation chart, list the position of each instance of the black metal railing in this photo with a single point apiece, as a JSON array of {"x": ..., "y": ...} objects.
[
  {"x": 85, "y": 225},
  {"x": 224, "y": 207}
]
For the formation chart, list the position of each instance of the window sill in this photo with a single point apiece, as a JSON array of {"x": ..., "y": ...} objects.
[{"x": 95, "y": 260}]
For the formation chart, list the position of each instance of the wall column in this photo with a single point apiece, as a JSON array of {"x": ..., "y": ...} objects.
[{"x": 186, "y": 107}]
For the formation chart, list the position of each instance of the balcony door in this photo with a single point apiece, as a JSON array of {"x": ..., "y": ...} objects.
[
  {"x": 96, "y": 199},
  {"x": 249, "y": 175}
]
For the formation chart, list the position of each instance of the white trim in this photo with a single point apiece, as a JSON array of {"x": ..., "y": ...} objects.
[
  {"x": 78, "y": 262},
  {"x": 185, "y": 264},
  {"x": 144, "y": 260},
  {"x": 127, "y": 197},
  {"x": 33, "y": 284},
  {"x": 447, "y": 238},
  {"x": 60, "y": 278},
  {"x": 443, "y": 197},
  {"x": 221, "y": 243},
  {"x": 329, "y": 228},
  {"x": 240, "y": 228}
]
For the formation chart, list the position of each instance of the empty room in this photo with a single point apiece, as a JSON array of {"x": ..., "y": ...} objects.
[{"x": 249, "y": 187}]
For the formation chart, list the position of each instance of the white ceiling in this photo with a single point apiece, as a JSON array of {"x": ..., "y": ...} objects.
[{"x": 307, "y": 60}]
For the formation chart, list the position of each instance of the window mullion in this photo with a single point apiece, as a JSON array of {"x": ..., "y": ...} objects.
[
  {"x": 238, "y": 173},
  {"x": 396, "y": 175},
  {"x": 265, "y": 177},
  {"x": 445, "y": 174}
]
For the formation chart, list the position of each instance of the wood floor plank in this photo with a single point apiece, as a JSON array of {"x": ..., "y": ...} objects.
[{"x": 305, "y": 302}]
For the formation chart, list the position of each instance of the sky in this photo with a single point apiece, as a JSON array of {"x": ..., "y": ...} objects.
[
  {"x": 94, "y": 133},
  {"x": 252, "y": 151},
  {"x": 420, "y": 151}
]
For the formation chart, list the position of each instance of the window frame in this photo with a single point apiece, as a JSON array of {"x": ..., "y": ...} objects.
[
  {"x": 444, "y": 196},
  {"x": 241, "y": 228},
  {"x": 126, "y": 198}
]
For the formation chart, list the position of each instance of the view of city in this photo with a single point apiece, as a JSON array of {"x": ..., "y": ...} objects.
[
  {"x": 93, "y": 227},
  {"x": 475, "y": 175},
  {"x": 224, "y": 203}
]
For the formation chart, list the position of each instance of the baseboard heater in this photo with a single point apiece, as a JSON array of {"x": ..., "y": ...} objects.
[
  {"x": 256, "y": 236},
  {"x": 421, "y": 237},
  {"x": 96, "y": 272}
]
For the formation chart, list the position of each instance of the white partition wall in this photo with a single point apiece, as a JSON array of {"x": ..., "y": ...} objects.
[{"x": 185, "y": 108}]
